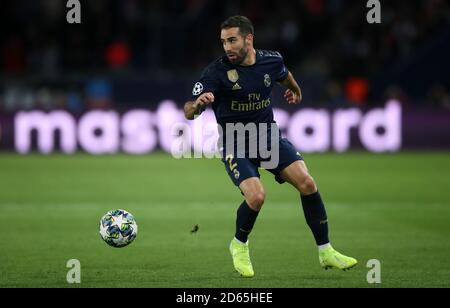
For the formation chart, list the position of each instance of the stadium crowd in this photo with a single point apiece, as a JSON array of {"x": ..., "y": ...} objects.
[{"x": 326, "y": 40}]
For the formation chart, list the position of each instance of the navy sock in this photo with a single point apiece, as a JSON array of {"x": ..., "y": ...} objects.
[
  {"x": 245, "y": 221},
  {"x": 316, "y": 217}
]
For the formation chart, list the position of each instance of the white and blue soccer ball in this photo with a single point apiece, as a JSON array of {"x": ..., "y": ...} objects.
[{"x": 118, "y": 228}]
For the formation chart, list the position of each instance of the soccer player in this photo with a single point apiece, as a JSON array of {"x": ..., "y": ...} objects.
[{"x": 238, "y": 88}]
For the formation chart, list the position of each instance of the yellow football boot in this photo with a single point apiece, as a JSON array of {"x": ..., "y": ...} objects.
[
  {"x": 241, "y": 258},
  {"x": 330, "y": 258}
]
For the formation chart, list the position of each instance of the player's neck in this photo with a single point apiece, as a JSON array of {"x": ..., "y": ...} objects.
[{"x": 250, "y": 59}]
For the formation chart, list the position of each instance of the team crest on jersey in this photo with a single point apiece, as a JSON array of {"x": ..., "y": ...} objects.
[
  {"x": 198, "y": 88},
  {"x": 233, "y": 75},
  {"x": 267, "y": 80}
]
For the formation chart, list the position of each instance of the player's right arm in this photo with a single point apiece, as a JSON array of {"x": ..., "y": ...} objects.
[
  {"x": 193, "y": 109},
  {"x": 203, "y": 92}
]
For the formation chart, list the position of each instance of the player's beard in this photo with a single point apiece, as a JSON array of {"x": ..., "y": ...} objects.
[{"x": 240, "y": 56}]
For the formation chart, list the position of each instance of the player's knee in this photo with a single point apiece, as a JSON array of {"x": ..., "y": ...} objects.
[
  {"x": 307, "y": 186},
  {"x": 256, "y": 200}
]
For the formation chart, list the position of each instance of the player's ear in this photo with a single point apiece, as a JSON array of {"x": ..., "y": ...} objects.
[{"x": 249, "y": 38}]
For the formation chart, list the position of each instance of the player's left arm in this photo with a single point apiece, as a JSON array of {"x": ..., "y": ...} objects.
[{"x": 293, "y": 94}]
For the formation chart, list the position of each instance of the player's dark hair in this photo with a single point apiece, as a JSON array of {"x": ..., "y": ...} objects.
[{"x": 243, "y": 23}]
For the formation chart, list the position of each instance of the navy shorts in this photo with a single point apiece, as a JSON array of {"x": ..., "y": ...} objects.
[{"x": 240, "y": 169}]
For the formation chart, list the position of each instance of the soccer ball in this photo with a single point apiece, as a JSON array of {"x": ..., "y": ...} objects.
[{"x": 118, "y": 228}]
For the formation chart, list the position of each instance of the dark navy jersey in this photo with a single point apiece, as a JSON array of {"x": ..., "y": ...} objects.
[{"x": 242, "y": 93}]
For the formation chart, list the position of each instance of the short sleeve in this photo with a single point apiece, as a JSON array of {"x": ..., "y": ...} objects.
[
  {"x": 208, "y": 82},
  {"x": 282, "y": 72}
]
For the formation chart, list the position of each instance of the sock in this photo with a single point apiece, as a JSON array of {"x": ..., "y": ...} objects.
[
  {"x": 316, "y": 217},
  {"x": 245, "y": 221},
  {"x": 240, "y": 241}
]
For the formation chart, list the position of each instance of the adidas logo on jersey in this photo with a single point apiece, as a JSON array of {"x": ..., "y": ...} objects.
[{"x": 236, "y": 87}]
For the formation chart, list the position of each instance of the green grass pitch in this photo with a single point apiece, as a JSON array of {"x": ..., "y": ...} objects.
[{"x": 392, "y": 207}]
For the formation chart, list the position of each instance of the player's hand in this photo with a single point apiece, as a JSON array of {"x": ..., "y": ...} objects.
[
  {"x": 204, "y": 100},
  {"x": 293, "y": 97}
]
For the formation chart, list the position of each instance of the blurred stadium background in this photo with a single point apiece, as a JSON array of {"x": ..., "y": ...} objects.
[{"x": 374, "y": 127}]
